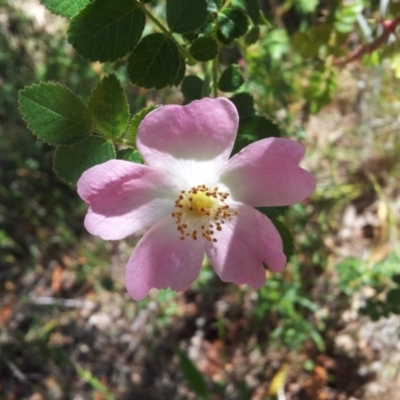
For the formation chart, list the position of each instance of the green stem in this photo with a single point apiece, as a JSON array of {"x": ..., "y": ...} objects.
[
  {"x": 124, "y": 142},
  {"x": 226, "y": 4},
  {"x": 163, "y": 29},
  {"x": 215, "y": 68}
]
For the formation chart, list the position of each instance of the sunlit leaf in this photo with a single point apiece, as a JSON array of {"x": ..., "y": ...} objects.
[
  {"x": 109, "y": 107},
  {"x": 55, "y": 114},
  {"x": 106, "y": 29},
  {"x": 65, "y": 8}
]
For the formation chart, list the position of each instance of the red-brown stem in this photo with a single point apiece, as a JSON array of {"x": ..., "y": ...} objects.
[{"x": 356, "y": 54}]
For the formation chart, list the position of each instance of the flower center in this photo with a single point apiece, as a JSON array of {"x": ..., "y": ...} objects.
[{"x": 201, "y": 211}]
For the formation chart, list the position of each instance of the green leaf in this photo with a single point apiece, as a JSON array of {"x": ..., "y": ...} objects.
[
  {"x": 232, "y": 23},
  {"x": 185, "y": 16},
  {"x": 129, "y": 155},
  {"x": 346, "y": 16},
  {"x": 65, "y": 8},
  {"x": 155, "y": 62},
  {"x": 137, "y": 119},
  {"x": 204, "y": 49},
  {"x": 181, "y": 71},
  {"x": 394, "y": 7},
  {"x": 252, "y": 7},
  {"x": 109, "y": 107},
  {"x": 393, "y": 297},
  {"x": 106, "y": 29},
  {"x": 55, "y": 114},
  {"x": 306, "y": 6},
  {"x": 192, "y": 88},
  {"x": 254, "y": 128},
  {"x": 244, "y": 104},
  {"x": 193, "y": 376},
  {"x": 308, "y": 42},
  {"x": 396, "y": 278},
  {"x": 258, "y": 127},
  {"x": 214, "y": 5},
  {"x": 71, "y": 161},
  {"x": 252, "y": 36},
  {"x": 273, "y": 212},
  {"x": 287, "y": 238},
  {"x": 231, "y": 79}
]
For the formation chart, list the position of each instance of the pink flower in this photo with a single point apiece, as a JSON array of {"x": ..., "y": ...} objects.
[{"x": 195, "y": 199}]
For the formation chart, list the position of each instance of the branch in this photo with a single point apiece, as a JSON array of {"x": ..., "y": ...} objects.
[{"x": 389, "y": 27}]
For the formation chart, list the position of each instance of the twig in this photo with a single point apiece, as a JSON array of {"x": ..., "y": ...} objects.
[
  {"x": 389, "y": 28},
  {"x": 68, "y": 303}
]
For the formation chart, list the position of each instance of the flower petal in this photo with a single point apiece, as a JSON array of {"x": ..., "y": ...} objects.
[
  {"x": 243, "y": 245},
  {"x": 266, "y": 173},
  {"x": 176, "y": 136},
  {"x": 161, "y": 260},
  {"x": 124, "y": 197}
]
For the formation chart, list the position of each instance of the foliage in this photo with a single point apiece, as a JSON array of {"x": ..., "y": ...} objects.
[{"x": 265, "y": 59}]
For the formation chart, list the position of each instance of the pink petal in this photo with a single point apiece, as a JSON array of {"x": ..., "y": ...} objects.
[
  {"x": 204, "y": 130},
  {"x": 124, "y": 197},
  {"x": 243, "y": 245},
  {"x": 266, "y": 173},
  {"x": 161, "y": 260}
]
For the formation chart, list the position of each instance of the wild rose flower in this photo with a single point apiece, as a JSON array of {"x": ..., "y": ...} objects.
[{"x": 195, "y": 199}]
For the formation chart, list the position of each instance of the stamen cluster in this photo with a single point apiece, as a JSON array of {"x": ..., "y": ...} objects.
[{"x": 201, "y": 210}]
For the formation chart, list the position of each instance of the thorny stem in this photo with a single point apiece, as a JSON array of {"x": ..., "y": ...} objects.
[
  {"x": 388, "y": 29},
  {"x": 163, "y": 29}
]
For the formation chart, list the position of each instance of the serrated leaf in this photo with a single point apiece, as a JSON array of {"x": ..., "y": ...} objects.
[
  {"x": 254, "y": 128},
  {"x": 181, "y": 70},
  {"x": 65, "y": 8},
  {"x": 258, "y": 127},
  {"x": 106, "y": 29},
  {"x": 231, "y": 79},
  {"x": 129, "y": 155},
  {"x": 155, "y": 62},
  {"x": 287, "y": 238},
  {"x": 137, "y": 119},
  {"x": 252, "y": 7},
  {"x": 204, "y": 49},
  {"x": 185, "y": 16},
  {"x": 244, "y": 104},
  {"x": 55, "y": 114},
  {"x": 108, "y": 105},
  {"x": 192, "y": 88},
  {"x": 193, "y": 376},
  {"x": 232, "y": 23},
  {"x": 71, "y": 161}
]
